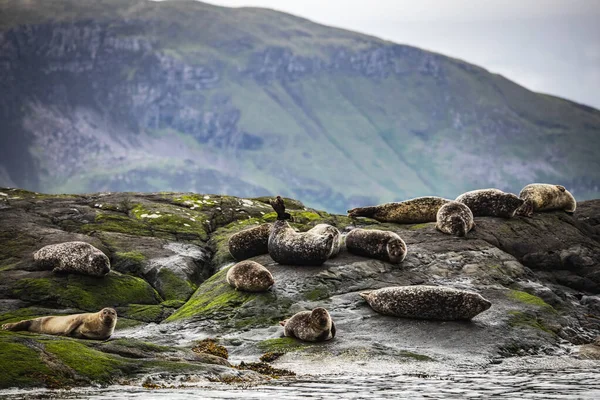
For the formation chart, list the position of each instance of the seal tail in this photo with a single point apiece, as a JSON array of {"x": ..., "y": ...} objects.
[
  {"x": 17, "y": 326},
  {"x": 279, "y": 208}
]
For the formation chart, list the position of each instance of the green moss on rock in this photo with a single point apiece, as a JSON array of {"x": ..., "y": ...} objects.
[
  {"x": 130, "y": 261},
  {"x": 525, "y": 320},
  {"x": 144, "y": 312},
  {"x": 285, "y": 344},
  {"x": 116, "y": 223},
  {"x": 173, "y": 287},
  {"x": 20, "y": 366},
  {"x": 214, "y": 295},
  {"x": 85, "y": 292},
  {"x": 92, "y": 364},
  {"x": 526, "y": 298}
]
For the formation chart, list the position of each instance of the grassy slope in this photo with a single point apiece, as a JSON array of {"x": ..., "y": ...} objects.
[{"x": 384, "y": 138}]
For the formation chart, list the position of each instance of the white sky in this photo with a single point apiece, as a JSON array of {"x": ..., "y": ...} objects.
[{"x": 550, "y": 46}]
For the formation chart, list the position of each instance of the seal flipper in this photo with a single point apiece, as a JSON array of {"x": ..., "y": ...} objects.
[
  {"x": 332, "y": 330},
  {"x": 71, "y": 330}
]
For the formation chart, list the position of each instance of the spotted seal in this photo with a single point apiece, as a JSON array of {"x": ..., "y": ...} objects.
[
  {"x": 426, "y": 302},
  {"x": 250, "y": 242},
  {"x": 491, "y": 203},
  {"x": 324, "y": 229},
  {"x": 73, "y": 257},
  {"x": 546, "y": 197},
  {"x": 455, "y": 219},
  {"x": 374, "y": 243},
  {"x": 249, "y": 276},
  {"x": 98, "y": 326},
  {"x": 286, "y": 246},
  {"x": 310, "y": 326},
  {"x": 413, "y": 211}
]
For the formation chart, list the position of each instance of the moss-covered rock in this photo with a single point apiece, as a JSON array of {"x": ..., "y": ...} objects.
[{"x": 84, "y": 292}]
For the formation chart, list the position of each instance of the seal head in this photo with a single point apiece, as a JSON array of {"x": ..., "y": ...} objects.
[
  {"x": 374, "y": 243},
  {"x": 455, "y": 219}
]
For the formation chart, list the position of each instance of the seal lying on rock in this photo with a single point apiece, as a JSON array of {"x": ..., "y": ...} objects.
[
  {"x": 491, "y": 203},
  {"x": 311, "y": 326},
  {"x": 99, "y": 326},
  {"x": 286, "y": 246},
  {"x": 78, "y": 257},
  {"x": 374, "y": 243},
  {"x": 546, "y": 197},
  {"x": 455, "y": 219},
  {"x": 250, "y": 276},
  {"x": 426, "y": 302},
  {"x": 414, "y": 211},
  {"x": 250, "y": 242},
  {"x": 324, "y": 229}
]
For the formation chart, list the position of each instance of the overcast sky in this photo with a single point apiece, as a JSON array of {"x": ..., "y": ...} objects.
[{"x": 550, "y": 46}]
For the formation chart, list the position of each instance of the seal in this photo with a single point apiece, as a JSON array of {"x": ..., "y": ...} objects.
[
  {"x": 455, "y": 219},
  {"x": 310, "y": 326},
  {"x": 413, "y": 211},
  {"x": 249, "y": 276},
  {"x": 250, "y": 242},
  {"x": 98, "y": 326},
  {"x": 426, "y": 302},
  {"x": 286, "y": 246},
  {"x": 546, "y": 197},
  {"x": 73, "y": 257},
  {"x": 324, "y": 229},
  {"x": 374, "y": 243},
  {"x": 491, "y": 203}
]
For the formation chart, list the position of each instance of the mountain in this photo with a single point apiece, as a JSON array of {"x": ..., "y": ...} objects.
[{"x": 118, "y": 95}]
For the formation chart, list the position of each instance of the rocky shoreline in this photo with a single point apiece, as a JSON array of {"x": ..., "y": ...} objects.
[{"x": 169, "y": 257}]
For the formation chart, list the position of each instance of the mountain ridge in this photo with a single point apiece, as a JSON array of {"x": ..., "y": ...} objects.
[{"x": 194, "y": 97}]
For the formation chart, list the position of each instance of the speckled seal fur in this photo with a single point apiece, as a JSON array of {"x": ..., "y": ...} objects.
[
  {"x": 324, "y": 229},
  {"x": 545, "y": 197},
  {"x": 491, "y": 203},
  {"x": 286, "y": 246},
  {"x": 426, "y": 302},
  {"x": 77, "y": 257},
  {"x": 249, "y": 276},
  {"x": 414, "y": 211},
  {"x": 455, "y": 219},
  {"x": 98, "y": 326},
  {"x": 310, "y": 326},
  {"x": 374, "y": 243},
  {"x": 250, "y": 242}
]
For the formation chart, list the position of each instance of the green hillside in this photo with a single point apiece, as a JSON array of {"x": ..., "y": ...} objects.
[{"x": 186, "y": 96}]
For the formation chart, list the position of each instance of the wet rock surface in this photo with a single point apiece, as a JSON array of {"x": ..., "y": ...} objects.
[{"x": 541, "y": 275}]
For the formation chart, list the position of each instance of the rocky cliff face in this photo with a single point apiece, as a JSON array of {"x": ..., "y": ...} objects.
[
  {"x": 141, "y": 95},
  {"x": 169, "y": 259}
]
